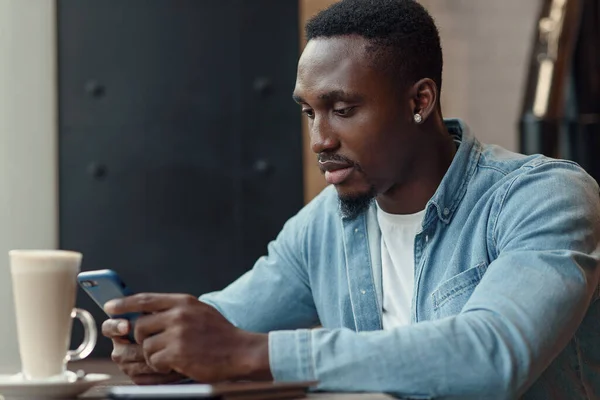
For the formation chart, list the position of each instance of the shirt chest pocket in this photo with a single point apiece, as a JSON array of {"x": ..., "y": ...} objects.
[{"x": 450, "y": 297}]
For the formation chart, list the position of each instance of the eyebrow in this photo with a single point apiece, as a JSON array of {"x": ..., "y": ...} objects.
[
  {"x": 332, "y": 96},
  {"x": 340, "y": 95}
]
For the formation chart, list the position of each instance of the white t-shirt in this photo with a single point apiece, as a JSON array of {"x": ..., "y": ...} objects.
[{"x": 398, "y": 264}]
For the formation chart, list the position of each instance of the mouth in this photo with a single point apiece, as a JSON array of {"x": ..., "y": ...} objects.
[{"x": 336, "y": 172}]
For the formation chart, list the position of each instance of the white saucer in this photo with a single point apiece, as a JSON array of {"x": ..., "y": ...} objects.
[{"x": 15, "y": 387}]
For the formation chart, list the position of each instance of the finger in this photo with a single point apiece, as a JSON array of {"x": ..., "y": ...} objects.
[
  {"x": 137, "y": 369},
  {"x": 115, "y": 328},
  {"x": 154, "y": 345},
  {"x": 148, "y": 325},
  {"x": 143, "y": 303},
  {"x": 121, "y": 340},
  {"x": 141, "y": 368},
  {"x": 161, "y": 361},
  {"x": 127, "y": 353}
]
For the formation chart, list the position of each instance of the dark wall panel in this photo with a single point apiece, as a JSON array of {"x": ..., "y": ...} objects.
[{"x": 180, "y": 146}]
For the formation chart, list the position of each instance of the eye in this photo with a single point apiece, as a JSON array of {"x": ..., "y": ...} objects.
[
  {"x": 308, "y": 112},
  {"x": 343, "y": 112}
]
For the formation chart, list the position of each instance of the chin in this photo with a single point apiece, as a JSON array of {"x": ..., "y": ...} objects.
[
  {"x": 354, "y": 202},
  {"x": 352, "y": 188}
]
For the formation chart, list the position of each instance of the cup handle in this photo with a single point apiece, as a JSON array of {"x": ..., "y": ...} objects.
[{"x": 90, "y": 335}]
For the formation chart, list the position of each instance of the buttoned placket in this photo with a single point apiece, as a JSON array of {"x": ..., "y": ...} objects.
[{"x": 361, "y": 286}]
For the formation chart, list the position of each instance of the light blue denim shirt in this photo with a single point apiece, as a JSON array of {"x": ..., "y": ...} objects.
[{"x": 505, "y": 298}]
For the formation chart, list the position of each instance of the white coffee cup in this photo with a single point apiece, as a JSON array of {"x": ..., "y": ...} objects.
[{"x": 44, "y": 289}]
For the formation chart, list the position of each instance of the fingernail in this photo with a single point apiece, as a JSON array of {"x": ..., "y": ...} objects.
[
  {"x": 110, "y": 306},
  {"x": 122, "y": 327}
]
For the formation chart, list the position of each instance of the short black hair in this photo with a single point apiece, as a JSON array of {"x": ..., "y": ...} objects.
[{"x": 404, "y": 38}]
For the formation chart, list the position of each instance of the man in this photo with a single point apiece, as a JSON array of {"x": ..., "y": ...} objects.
[{"x": 436, "y": 266}]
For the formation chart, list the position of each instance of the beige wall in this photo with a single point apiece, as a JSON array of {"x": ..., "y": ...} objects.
[
  {"x": 27, "y": 145},
  {"x": 486, "y": 44}
]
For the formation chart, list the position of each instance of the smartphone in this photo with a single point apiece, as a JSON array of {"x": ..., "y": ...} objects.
[{"x": 104, "y": 285}]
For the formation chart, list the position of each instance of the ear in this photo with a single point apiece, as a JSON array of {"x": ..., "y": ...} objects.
[{"x": 424, "y": 97}]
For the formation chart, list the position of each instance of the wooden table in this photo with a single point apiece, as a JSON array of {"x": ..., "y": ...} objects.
[{"x": 104, "y": 366}]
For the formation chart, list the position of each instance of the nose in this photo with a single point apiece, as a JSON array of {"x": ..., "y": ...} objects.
[{"x": 322, "y": 138}]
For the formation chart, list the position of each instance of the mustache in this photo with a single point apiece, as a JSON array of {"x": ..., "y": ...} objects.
[{"x": 325, "y": 157}]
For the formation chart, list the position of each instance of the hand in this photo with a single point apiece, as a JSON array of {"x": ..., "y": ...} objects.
[
  {"x": 181, "y": 333},
  {"x": 130, "y": 356}
]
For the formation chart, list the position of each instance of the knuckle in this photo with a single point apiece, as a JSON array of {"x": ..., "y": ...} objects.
[
  {"x": 117, "y": 353},
  {"x": 147, "y": 347},
  {"x": 160, "y": 367},
  {"x": 116, "y": 358},
  {"x": 188, "y": 299},
  {"x": 144, "y": 299},
  {"x": 178, "y": 335},
  {"x": 109, "y": 328},
  {"x": 179, "y": 314},
  {"x": 126, "y": 353}
]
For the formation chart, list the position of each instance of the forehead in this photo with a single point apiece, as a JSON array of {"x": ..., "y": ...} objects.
[{"x": 338, "y": 63}]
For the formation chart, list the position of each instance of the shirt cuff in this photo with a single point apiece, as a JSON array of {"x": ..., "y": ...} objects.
[{"x": 290, "y": 356}]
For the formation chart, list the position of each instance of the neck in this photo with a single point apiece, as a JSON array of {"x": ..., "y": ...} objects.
[{"x": 425, "y": 174}]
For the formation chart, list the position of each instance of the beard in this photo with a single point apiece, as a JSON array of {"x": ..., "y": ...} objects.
[{"x": 351, "y": 206}]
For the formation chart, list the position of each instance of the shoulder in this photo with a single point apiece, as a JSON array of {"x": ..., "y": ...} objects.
[
  {"x": 546, "y": 178},
  {"x": 504, "y": 161},
  {"x": 554, "y": 202},
  {"x": 534, "y": 175}
]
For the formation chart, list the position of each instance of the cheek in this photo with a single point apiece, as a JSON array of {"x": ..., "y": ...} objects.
[
  {"x": 379, "y": 159},
  {"x": 369, "y": 138},
  {"x": 376, "y": 169},
  {"x": 358, "y": 137},
  {"x": 373, "y": 153}
]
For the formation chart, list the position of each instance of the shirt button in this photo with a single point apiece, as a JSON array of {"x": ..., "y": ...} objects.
[
  {"x": 446, "y": 211},
  {"x": 363, "y": 291},
  {"x": 355, "y": 230}
]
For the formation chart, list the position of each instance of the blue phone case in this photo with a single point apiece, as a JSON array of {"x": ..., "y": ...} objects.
[{"x": 104, "y": 285}]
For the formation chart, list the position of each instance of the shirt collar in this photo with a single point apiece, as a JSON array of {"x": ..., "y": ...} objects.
[{"x": 454, "y": 184}]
